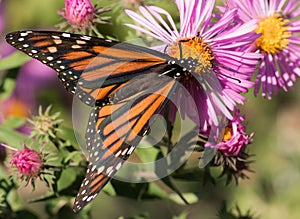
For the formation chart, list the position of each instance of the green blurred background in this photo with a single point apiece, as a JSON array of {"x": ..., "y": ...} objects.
[{"x": 273, "y": 190}]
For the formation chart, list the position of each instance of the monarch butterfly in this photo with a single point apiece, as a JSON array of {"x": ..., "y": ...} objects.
[{"x": 123, "y": 82}]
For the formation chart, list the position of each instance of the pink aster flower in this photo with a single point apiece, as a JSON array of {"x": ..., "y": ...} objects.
[
  {"x": 27, "y": 161},
  {"x": 31, "y": 164},
  {"x": 279, "y": 42},
  {"x": 79, "y": 12},
  {"x": 234, "y": 138},
  {"x": 223, "y": 72},
  {"x": 81, "y": 15}
]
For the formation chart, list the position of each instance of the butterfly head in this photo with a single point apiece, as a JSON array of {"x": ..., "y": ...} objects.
[{"x": 193, "y": 54}]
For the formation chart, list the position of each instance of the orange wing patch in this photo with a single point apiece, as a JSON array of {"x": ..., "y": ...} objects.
[{"x": 128, "y": 125}]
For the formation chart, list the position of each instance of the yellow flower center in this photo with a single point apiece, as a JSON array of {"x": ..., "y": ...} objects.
[
  {"x": 227, "y": 134},
  {"x": 274, "y": 32},
  {"x": 193, "y": 48}
]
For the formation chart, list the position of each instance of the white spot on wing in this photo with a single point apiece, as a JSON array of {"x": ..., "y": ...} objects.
[
  {"x": 130, "y": 150},
  {"x": 125, "y": 151},
  {"x": 55, "y": 37},
  {"x": 118, "y": 166},
  {"x": 66, "y": 35},
  {"x": 75, "y": 46},
  {"x": 85, "y": 37},
  {"x": 100, "y": 170},
  {"x": 24, "y": 34},
  {"x": 80, "y": 42},
  {"x": 89, "y": 198},
  {"x": 52, "y": 49},
  {"x": 118, "y": 153},
  {"x": 57, "y": 41}
]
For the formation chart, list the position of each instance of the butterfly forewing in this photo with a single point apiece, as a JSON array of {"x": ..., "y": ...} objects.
[{"x": 89, "y": 67}]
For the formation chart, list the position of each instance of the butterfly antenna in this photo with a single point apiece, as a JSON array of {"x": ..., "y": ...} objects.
[
  {"x": 227, "y": 76},
  {"x": 165, "y": 50},
  {"x": 166, "y": 72},
  {"x": 180, "y": 50}
]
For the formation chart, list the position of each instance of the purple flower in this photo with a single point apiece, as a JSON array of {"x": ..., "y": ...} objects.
[
  {"x": 2, "y": 22},
  {"x": 81, "y": 15},
  {"x": 30, "y": 164},
  {"x": 279, "y": 42},
  {"x": 79, "y": 12},
  {"x": 234, "y": 138},
  {"x": 5, "y": 48},
  {"x": 32, "y": 78},
  {"x": 132, "y": 2},
  {"x": 27, "y": 161},
  {"x": 14, "y": 106},
  {"x": 223, "y": 72}
]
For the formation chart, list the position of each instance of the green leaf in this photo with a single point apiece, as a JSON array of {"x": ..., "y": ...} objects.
[
  {"x": 147, "y": 154},
  {"x": 167, "y": 180},
  {"x": 15, "y": 60},
  {"x": 155, "y": 190},
  {"x": 54, "y": 205},
  {"x": 183, "y": 215},
  {"x": 109, "y": 189},
  {"x": 141, "y": 216},
  {"x": 73, "y": 156},
  {"x": 130, "y": 190},
  {"x": 68, "y": 176},
  {"x": 191, "y": 174},
  {"x": 190, "y": 197},
  {"x": 50, "y": 196},
  {"x": 65, "y": 212},
  {"x": 68, "y": 133},
  {"x": 26, "y": 214},
  {"x": 12, "y": 138},
  {"x": 13, "y": 122},
  {"x": 7, "y": 87},
  {"x": 14, "y": 200}
]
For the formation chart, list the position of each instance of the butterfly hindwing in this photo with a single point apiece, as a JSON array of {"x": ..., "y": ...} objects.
[{"x": 115, "y": 130}]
